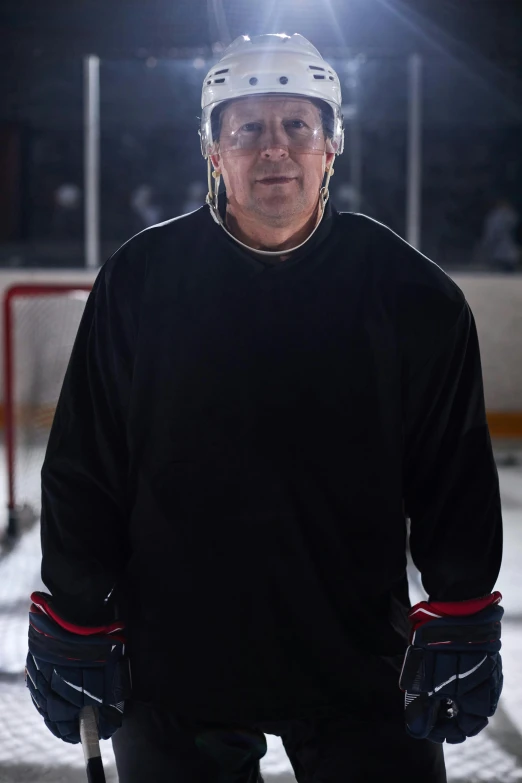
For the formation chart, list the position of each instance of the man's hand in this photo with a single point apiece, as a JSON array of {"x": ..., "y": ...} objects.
[
  {"x": 70, "y": 666},
  {"x": 452, "y": 672}
]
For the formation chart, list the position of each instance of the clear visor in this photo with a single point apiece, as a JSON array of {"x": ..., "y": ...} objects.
[{"x": 250, "y": 125}]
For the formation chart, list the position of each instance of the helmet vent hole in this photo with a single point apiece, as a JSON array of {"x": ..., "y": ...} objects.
[
  {"x": 283, "y": 79},
  {"x": 219, "y": 81},
  {"x": 316, "y": 68},
  {"x": 252, "y": 80},
  {"x": 223, "y": 70},
  {"x": 331, "y": 78},
  {"x": 319, "y": 76}
]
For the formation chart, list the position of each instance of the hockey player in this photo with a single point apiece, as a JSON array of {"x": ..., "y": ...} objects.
[{"x": 260, "y": 393}]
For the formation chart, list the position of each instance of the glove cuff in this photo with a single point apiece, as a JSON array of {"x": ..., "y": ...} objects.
[
  {"x": 425, "y": 611},
  {"x": 42, "y": 604}
]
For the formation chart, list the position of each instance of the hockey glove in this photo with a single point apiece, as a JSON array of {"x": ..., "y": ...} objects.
[
  {"x": 452, "y": 672},
  {"x": 70, "y": 666}
]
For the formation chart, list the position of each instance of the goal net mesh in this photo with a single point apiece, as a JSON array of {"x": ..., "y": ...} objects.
[{"x": 43, "y": 327}]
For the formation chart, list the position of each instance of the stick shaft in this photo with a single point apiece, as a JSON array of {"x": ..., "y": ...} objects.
[{"x": 91, "y": 745}]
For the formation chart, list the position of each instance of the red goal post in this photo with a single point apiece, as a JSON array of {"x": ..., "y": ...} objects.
[{"x": 40, "y": 322}]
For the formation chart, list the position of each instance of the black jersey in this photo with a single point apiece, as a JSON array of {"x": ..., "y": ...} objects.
[{"x": 236, "y": 449}]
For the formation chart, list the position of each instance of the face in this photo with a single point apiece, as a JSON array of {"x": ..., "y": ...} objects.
[{"x": 272, "y": 156}]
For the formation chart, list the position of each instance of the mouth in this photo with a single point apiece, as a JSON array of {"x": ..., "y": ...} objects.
[{"x": 275, "y": 180}]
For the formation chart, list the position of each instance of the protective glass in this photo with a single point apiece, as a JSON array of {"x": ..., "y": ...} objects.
[{"x": 254, "y": 126}]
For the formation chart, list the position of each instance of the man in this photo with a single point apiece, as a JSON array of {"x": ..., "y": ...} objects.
[
  {"x": 259, "y": 394},
  {"x": 499, "y": 247}
]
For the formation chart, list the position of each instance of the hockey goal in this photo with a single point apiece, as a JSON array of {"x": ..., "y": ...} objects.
[{"x": 40, "y": 325}]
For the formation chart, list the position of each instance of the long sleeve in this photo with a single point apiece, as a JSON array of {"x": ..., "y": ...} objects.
[
  {"x": 84, "y": 476},
  {"x": 451, "y": 486}
]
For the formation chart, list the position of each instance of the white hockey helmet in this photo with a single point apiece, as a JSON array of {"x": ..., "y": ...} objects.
[{"x": 267, "y": 65}]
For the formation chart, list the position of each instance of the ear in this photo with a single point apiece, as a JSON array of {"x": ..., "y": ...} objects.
[
  {"x": 216, "y": 161},
  {"x": 329, "y": 160},
  {"x": 330, "y": 151}
]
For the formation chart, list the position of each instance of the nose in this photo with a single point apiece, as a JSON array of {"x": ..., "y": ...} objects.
[
  {"x": 274, "y": 144},
  {"x": 274, "y": 152}
]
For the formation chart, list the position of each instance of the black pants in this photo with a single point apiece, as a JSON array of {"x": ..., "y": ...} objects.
[{"x": 156, "y": 746}]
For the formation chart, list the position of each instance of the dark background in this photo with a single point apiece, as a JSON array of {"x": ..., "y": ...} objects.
[
  {"x": 154, "y": 56},
  {"x": 118, "y": 28}
]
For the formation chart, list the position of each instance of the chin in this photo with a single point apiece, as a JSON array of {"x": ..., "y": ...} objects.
[
  {"x": 278, "y": 214},
  {"x": 279, "y": 204}
]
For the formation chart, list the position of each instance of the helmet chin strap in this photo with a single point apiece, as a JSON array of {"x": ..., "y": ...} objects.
[{"x": 212, "y": 201}]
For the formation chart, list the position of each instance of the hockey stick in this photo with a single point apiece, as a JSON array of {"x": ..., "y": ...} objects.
[{"x": 91, "y": 745}]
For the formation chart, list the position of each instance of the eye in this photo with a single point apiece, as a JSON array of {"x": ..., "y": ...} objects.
[
  {"x": 251, "y": 127},
  {"x": 297, "y": 124}
]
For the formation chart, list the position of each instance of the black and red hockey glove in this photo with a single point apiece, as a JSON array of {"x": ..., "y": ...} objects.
[
  {"x": 452, "y": 672},
  {"x": 70, "y": 666}
]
